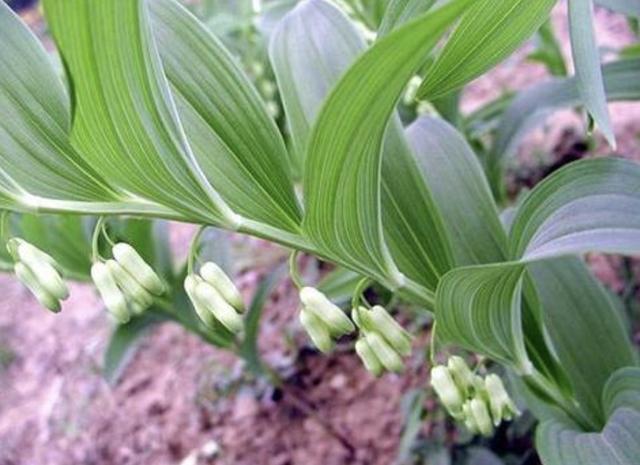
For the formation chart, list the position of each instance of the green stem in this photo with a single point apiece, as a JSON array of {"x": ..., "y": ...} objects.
[
  {"x": 97, "y": 230},
  {"x": 568, "y": 406},
  {"x": 4, "y": 226},
  {"x": 358, "y": 293},
  {"x": 194, "y": 249},
  {"x": 294, "y": 271}
]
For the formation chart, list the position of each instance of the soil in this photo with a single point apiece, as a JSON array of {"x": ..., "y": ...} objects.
[{"x": 181, "y": 401}]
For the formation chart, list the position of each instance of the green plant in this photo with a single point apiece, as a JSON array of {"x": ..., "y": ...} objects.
[{"x": 158, "y": 120}]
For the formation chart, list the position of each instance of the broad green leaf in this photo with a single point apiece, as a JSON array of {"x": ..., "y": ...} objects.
[
  {"x": 39, "y": 168},
  {"x": 586, "y": 206},
  {"x": 479, "y": 308},
  {"x": 123, "y": 344},
  {"x": 532, "y": 105},
  {"x": 489, "y": 32},
  {"x": 622, "y": 390},
  {"x": 129, "y": 131},
  {"x": 342, "y": 173},
  {"x": 586, "y": 58},
  {"x": 415, "y": 236},
  {"x": 458, "y": 184},
  {"x": 307, "y": 65},
  {"x": 627, "y": 7},
  {"x": 235, "y": 142},
  {"x": 561, "y": 443},
  {"x": 399, "y": 12},
  {"x": 574, "y": 303}
]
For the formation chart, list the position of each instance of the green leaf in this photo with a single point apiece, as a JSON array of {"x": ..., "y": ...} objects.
[
  {"x": 399, "y": 12},
  {"x": 561, "y": 443},
  {"x": 585, "y": 206},
  {"x": 416, "y": 237},
  {"x": 307, "y": 65},
  {"x": 455, "y": 177},
  {"x": 235, "y": 142},
  {"x": 342, "y": 173},
  {"x": 586, "y": 58},
  {"x": 548, "y": 51},
  {"x": 622, "y": 390},
  {"x": 626, "y": 7},
  {"x": 123, "y": 344},
  {"x": 129, "y": 131},
  {"x": 532, "y": 105},
  {"x": 574, "y": 303},
  {"x": 479, "y": 308},
  {"x": 249, "y": 350},
  {"x": 40, "y": 170},
  {"x": 489, "y": 32}
]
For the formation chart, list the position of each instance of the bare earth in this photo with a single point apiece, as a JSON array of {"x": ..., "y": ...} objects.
[{"x": 56, "y": 408}]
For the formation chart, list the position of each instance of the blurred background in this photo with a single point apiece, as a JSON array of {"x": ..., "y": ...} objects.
[{"x": 162, "y": 395}]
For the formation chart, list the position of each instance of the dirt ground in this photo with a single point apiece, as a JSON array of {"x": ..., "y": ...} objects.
[{"x": 168, "y": 407}]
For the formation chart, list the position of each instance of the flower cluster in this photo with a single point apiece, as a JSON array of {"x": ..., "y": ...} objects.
[
  {"x": 480, "y": 403},
  {"x": 323, "y": 321},
  {"x": 383, "y": 342},
  {"x": 39, "y": 272},
  {"x": 126, "y": 283},
  {"x": 215, "y": 298}
]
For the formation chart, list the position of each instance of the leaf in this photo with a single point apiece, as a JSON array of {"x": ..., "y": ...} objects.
[
  {"x": 123, "y": 344},
  {"x": 399, "y": 12},
  {"x": 622, "y": 390},
  {"x": 39, "y": 168},
  {"x": 249, "y": 350},
  {"x": 532, "y": 105},
  {"x": 413, "y": 411},
  {"x": 235, "y": 142},
  {"x": 129, "y": 131},
  {"x": 479, "y": 309},
  {"x": 586, "y": 58},
  {"x": 626, "y": 7},
  {"x": 560, "y": 443},
  {"x": 342, "y": 173},
  {"x": 307, "y": 65},
  {"x": 585, "y": 206},
  {"x": 548, "y": 51},
  {"x": 416, "y": 237},
  {"x": 489, "y": 32},
  {"x": 458, "y": 184},
  {"x": 574, "y": 303}
]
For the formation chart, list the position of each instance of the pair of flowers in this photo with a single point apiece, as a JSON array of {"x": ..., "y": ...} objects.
[{"x": 382, "y": 342}]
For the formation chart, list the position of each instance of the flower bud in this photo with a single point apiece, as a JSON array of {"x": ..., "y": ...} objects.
[
  {"x": 24, "y": 250},
  {"x": 211, "y": 300},
  {"x": 481, "y": 417},
  {"x": 502, "y": 407},
  {"x": 133, "y": 263},
  {"x": 383, "y": 351},
  {"x": 42, "y": 268},
  {"x": 447, "y": 390},
  {"x": 317, "y": 303},
  {"x": 28, "y": 278},
  {"x": 112, "y": 296},
  {"x": 205, "y": 315},
  {"x": 461, "y": 374},
  {"x": 215, "y": 276},
  {"x": 368, "y": 357},
  {"x": 131, "y": 288},
  {"x": 389, "y": 328},
  {"x": 317, "y": 331},
  {"x": 467, "y": 418}
]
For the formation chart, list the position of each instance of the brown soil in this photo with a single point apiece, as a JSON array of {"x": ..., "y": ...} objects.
[{"x": 169, "y": 407}]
